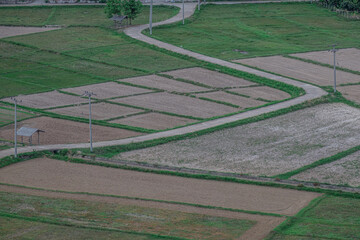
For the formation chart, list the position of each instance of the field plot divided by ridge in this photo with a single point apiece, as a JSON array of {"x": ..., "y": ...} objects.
[
  {"x": 351, "y": 92},
  {"x": 94, "y": 179},
  {"x": 15, "y": 31},
  {"x": 262, "y": 92},
  {"x": 155, "y": 121},
  {"x": 7, "y": 115},
  {"x": 210, "y": 78},
  {"x": 268, "y": 147},
  {"x": 301, "y": 70},
  {"x": 59, "y": 131},
  {"x": 344, "y": 171},
  {"x": 177, "y": 104},
  {"x": 345, "y": 58},
  {"x": 99, "y": 111}
]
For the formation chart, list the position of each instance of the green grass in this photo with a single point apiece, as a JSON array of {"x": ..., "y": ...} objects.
[
  {"x": 126, "y": 218},
  {"x": 261, "y": 29},
  {"x": 74, "y": 15},
  {"x": 7, "y": 115},
  {"x": 329, "y": 217}
]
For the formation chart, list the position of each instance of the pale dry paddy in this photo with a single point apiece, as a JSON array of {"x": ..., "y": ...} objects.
[
  {"x": 351, "y": 92},
  {"x": 268, "y": 147},
  {"x": 343, "y": 171},
  {"x": 301, "y": 70},
  {"x": 262, "y": 92},
  {"x": 346, "y": 58}
]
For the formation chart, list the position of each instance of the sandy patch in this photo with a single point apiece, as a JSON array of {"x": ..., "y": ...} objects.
[
  {"x": 155, "y": 121},
  {"x": 107, "y": 90},
  {"x": 345, "y": 58},
  {"x": 178, "y": 104},
  {"x": 163, "y": 83},
  {"x": 262, "y": 92},
  {"x": 47, "y": 100},
  {"x": 99, "y": 111},
  {"x": 15, "y": 31},
  {"x": 59, "y": 175},
  {"x": 343, "y": 171},
  {"x": 268, "y": 147},
  {"x": 297, "y": 69},
  {"x": 210, "y": 78},
  {"x": 351, "y": 92},
  {"x": 242, "y": 102},
  {"x": 63, "y": 131},
  {"x": 263, "y": 226}
]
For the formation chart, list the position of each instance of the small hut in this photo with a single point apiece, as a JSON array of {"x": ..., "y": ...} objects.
[
  {"x": 29, "y": 132},
  {"x": 120, "y": 21}
]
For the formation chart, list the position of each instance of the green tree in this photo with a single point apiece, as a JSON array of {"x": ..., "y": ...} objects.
[
  {"x": 113, "y": 7},
  {"x": 131, "y": 8}
]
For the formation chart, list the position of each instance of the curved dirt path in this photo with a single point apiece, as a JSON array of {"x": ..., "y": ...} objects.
[{"x": 312, "y": 92}]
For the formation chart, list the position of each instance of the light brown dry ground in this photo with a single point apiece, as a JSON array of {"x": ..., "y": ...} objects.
[
  {"x": 155, "y": 121},
  {"x": 99, "y": 111},
  {"x": 210, "y": 78},
  {"x": 107, "y": 90},
  {"x": 301, "y": 70},
  {"x": 343, "y": 171},
  {"x": 242, "y": 102},
  {"x": 268, "y": 147},
  {"x": 351, "y": 92},
  {"x": 263, "y": 226},
  {"x": 178, "y": 104},
  {"x": 15, "y": 31},
  {"x": 47, "y": 100},
  {"x": 63, "y": 131},
  {"x": 163, "y": 83},
  {"x": 66, "y": 176},
  {"x": 346, "y": 58},
  {"x": 262, "y": 92}
]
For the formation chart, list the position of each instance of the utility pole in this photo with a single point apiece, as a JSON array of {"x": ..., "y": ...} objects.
[
  {"x": 15, "y": 127},
  {"x": 334, "y": 50},
  {"x": 89, "y": 95},
  {"x": 150, "y": 20},
  {"x": 183, "y": 10},
  {"x": 198, "y": 5}
]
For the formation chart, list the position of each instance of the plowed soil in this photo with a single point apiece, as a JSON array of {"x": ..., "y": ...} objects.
[
  {"x": 301, "y": 70},
  {"x": 351, "y": 92},
  {"x": 262, "y": 92},
  {"x": 63, "y": 131}
]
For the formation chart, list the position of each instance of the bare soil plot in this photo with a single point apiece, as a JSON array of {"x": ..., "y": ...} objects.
[
  {"x": 15, "y": 31},
  {"x": 343, "y": 171},
  {"x": 345, "y": 58},
  {"x": 268, "y": 147},
  {"x": 301, "y": 70},
  {"x": 47, "y": 100},
  {"x": 99, "y": 111},
  {"x": 59, "y": 131},
  {"x": 210, "y": 78},
  {"x": 178, "y": 104},
  {"x": 107, "y": 90},
  {"x": 163, "y": 83},
  {"x": 351, "y": 92},
  {"x": 155, "y": 121},
  {"x": 263, "y": 226},
  {"x": 262, "y": 92},
  {"x": 60, "y": 175},
  {"x": 240, "y": 101}
]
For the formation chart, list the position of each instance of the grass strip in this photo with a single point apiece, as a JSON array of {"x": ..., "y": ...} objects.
[
  {"x": 320, "y": 162},
  {"x": 68, "y": 224}
]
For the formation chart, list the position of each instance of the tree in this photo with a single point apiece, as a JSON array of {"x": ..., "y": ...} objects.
[
  {"x": 113, "y": 7},
  {"x": 132, "y": 8}
]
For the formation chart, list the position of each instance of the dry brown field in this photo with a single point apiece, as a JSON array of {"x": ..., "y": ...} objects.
[
  {"x": 47, "y": 100},
  {"x": 163, "y": 83},
  {"x": 59, "y": 131},
  {"x": 107, "y": 90},
  {"x": 209, "y": 78},
  {"x": 301, "y": 70},
  {"x": 343, "y": 171},
  {"x": 15, "y": 31},
  {"x": 99, "y": 111},
  {"x": 345, "y": 58},
  {"x": 351, "y": 92},
  {"x": 155, "y": 121},
  {"x": 242, "y": 102},
  {"x": 61, "y": 175},
  {"x": 262, "y": 92},
  {"x": 177, "y": 104},
  {"x": 268, "y": 147}
]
